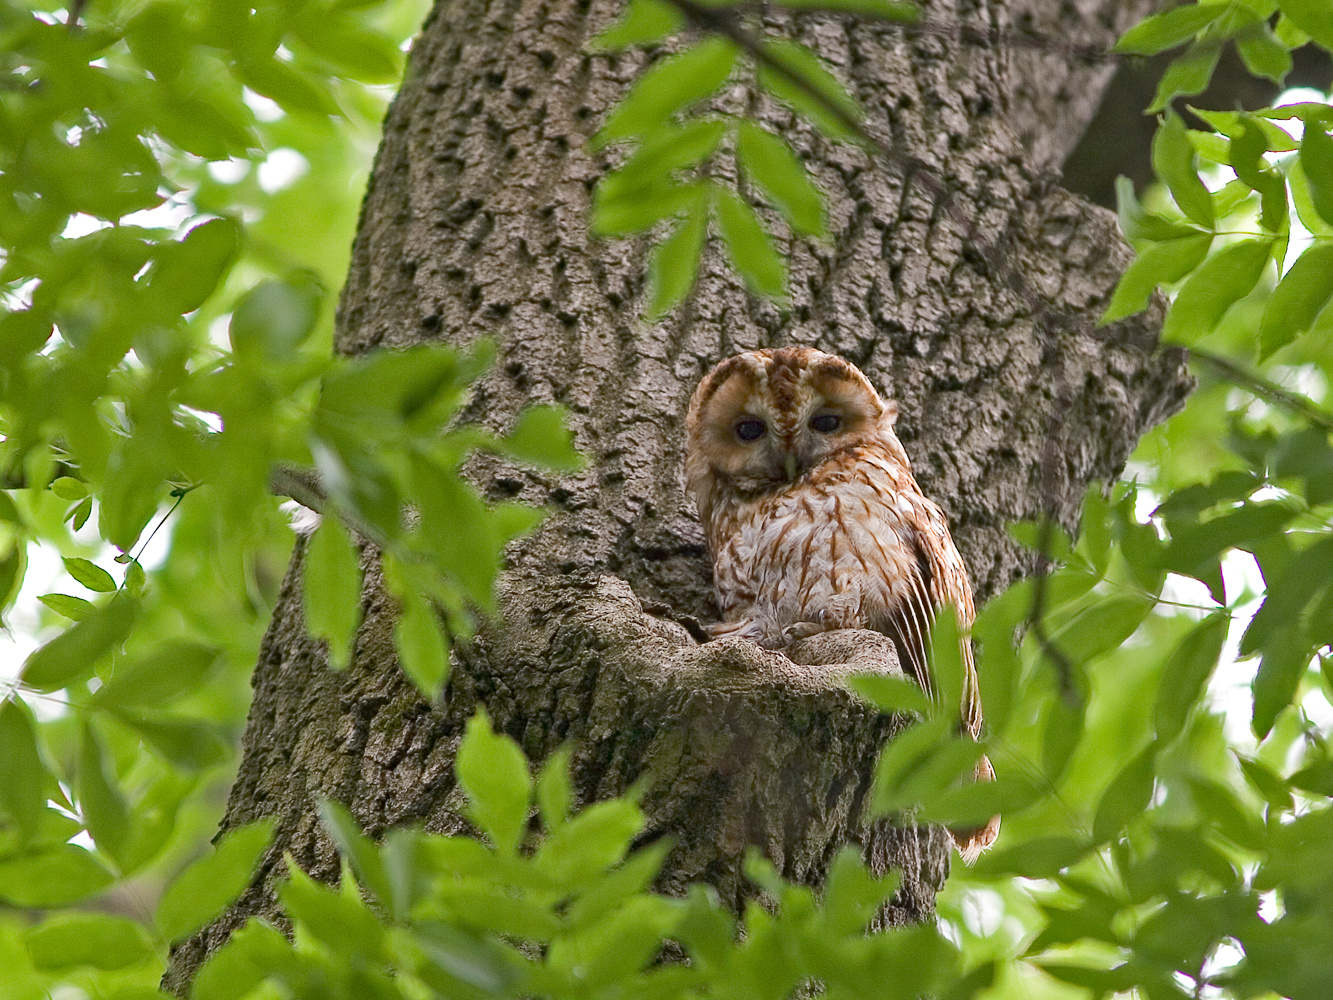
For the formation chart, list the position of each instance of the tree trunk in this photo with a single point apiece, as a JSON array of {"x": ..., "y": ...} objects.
[{"x": 475, "y": 225}]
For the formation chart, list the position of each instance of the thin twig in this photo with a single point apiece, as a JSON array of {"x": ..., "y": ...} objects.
[
  {"x": 1265, "y": 389},
  {"x": 301, "y": 485}
]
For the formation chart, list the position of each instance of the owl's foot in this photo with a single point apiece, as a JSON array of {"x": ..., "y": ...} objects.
[
  {"x": 843, "y": 611},
  {"x": 757, "y": 630}
]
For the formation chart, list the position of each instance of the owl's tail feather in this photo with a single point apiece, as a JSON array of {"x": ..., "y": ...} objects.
[{"x": 973, "y": 841}]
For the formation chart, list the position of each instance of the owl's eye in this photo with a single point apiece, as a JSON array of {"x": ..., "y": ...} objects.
[
  {"x": 751, "y": 430},
  {"x": 825, "y": 423}
]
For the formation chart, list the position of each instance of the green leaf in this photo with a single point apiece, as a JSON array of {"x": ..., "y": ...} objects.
[
  {"x": 615, "y": 950},
  {"x": 1264, "y": 55},
  {"x": 357, "y": 53},
  {"x": 338, "y": 919},
  {"x": 1247, "y": 159},
  {"x": 74, "y": 608},
  {"x": 625, "y": 215},
  {"x": 589, "y": 843},
  {"x": 1266, "y": 782},
  {"x": 1041, "y": 857},
  {"x": 555, "y": 791},
  {"x": 1299, "y": 298},
  {"x": 852, "y": 895},
  {"x": 189, "y": 744},
  {"x": 213, "y": 129},
  {"x": 750, "y": 246},
  {"x": 671, "y": 85},
  {"x": 79, "y": 517},
  {"x": 1284, "y": 663},
  {"x": 99, "y": 940},
  {"x": 158, "y": 39},
  {"x": 274, "y": 318},
  {"x": 1128, "y": 796},
  {"x": 1062, "y": 732},
  {"x": 1161, "y": 263},
  {"x": 421, "y": 385},
  {"x": 919, "y": 764},
  {"x": 475, "y": 961},
  {"x": 153, "y": 819},
  {"x": 295, "y": 92},
  {"x": 642, "y": 23},
  {"x": 1102, "y": 627},
  {"x": 1189, "y": 668},
  {"x": 422, "y": 651},
  {"x": 76, "y": 651},
  {"x": 1219, "y": 282},
  {"x": 13, "y": 565},
  {"x": 255, "y": 953},
  {"x": 675, "y": 261},
  {"x": 333, "y": 590},
  {"x": 464, "y": 534},
  {"x": 1290, "y": 35},
  {"x": 649, "y": 174},
  {"x": 209, "y": 885},
  {"x": 1196, "y": 545},
  {"x": 1287, "y": 596},
  {"x": 23, "y": 332},
  {"x": 69, "y": 489},
  {"x": 1303, "y": 202},
  {"x": 1165, "y": 31},
  {"x": 1174, "y": 162},
  {"x": 100, "y": 802},
  {"x": 494, "y": 773},
  {"x": 90, "y": 575},
  {"x": 541, "y": 437},
  {"x": 135, "y": 578},
  {"x": 130, "y": 494},
  {"x": 1314, "y": 17},
  {"x": 185, "y": 274},
  {"x": 172, "y": 669},
  {"x": 360, "y": 852},
  {"x": 53, "y": 876},
  {"x": 1188, "y": 74},
  {"x": 1317, "y": 164},
  {"x": 891, "y": 694},
  {"x": 781, "y": 175},
  {"x": 796, "y": 76},
  {"x": 24, "y": 777}
]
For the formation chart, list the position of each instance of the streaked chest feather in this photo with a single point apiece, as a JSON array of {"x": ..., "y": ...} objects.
[{"x": 787, "y": 554}]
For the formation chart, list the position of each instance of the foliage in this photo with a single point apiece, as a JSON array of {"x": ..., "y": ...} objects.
[
  {"x": 164, "y": 349},
  {"x": 426, "y": 915}
]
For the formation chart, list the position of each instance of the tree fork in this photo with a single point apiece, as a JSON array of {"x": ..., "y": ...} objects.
[{"x": 475, "y": 225}]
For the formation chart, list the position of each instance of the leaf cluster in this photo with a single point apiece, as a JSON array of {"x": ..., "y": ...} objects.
[
  {"x": 670, "y": 181},
  {"x": 553, "y": 902}
]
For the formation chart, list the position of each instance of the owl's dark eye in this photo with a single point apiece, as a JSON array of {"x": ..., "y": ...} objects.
[
  {"x": 751, "y": 430},
  {"x": 825, "y": 423}
]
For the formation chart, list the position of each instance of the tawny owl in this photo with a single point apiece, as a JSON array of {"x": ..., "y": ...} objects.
[{"x": 814, "y": 520}]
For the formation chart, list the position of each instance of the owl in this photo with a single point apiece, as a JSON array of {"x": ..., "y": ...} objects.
[{"x": 815, "y": 522}]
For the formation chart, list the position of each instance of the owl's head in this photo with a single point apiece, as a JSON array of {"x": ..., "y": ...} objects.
[{"x": 762, "y": 419}]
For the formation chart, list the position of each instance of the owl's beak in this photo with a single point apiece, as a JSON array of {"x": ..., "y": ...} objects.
[{"x": 791, "y": 466}]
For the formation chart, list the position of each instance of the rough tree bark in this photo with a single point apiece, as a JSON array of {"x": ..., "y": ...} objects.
[{"x": 475, "y": 225}]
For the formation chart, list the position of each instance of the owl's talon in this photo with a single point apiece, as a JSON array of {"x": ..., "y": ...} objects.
[{"x": 803, "y": 630}]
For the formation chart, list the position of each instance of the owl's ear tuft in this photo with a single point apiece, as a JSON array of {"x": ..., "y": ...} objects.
[{"x": 890, "y": 415}]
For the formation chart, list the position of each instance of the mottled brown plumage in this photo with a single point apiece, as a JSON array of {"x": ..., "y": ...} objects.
[{"x": 815, "y": 521}]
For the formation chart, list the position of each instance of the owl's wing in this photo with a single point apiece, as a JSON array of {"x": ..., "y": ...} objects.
[{"x": 938, "y": 578}]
